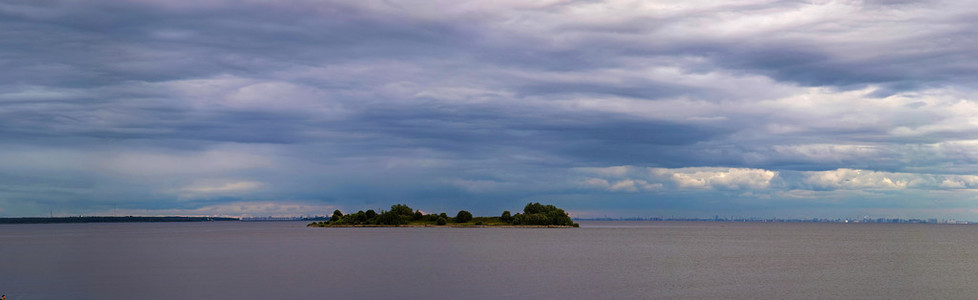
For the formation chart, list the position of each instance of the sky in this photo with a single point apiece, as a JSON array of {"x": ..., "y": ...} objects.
[{"x": 791, "y": 109}]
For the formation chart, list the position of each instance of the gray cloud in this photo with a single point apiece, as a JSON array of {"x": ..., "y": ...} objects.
[{"x": 164, "y": 106}]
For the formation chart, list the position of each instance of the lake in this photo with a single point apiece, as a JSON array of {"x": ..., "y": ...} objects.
[{"x": 623, "y": 260}]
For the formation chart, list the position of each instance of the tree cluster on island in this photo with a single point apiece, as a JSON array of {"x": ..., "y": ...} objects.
[{"x": 534, "y": 214}]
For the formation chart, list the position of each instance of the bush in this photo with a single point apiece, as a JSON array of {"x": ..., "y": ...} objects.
[
  {"x": 537, "y": 208},
  {"x": 532, "y": 208},
  {"x": 538, "y": 214},
  {"x": 360, "y": 217},
  {"x": 441, "y": 221},
  {"x": 506, "y": 217},
  {"x": 402, "y": 210},
  {"x": 337, "y": 215},
  {"x": 463, "y": 216},
  {"x": 389, "y": 218}
]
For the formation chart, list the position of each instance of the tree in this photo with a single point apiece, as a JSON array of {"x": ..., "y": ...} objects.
[
  {"x": 559, "y": 217},
  {"x": 533, "y": 214},
  {"x": 463, "y": 216},
  {"x": 506, "y": 217},
  {"x": 533, "y": 208},
  {"x": 535, "y": 219},
  {"x": 337, "y": 215},
  {"x": 539, "y": 214},
  {"x": 389, "y": 218},
  {"x": 402, "y": 209}
]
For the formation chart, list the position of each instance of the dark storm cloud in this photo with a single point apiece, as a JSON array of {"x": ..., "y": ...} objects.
[
  {"x": 106, "y": 42},
  {"x": 488, "y": 126}
]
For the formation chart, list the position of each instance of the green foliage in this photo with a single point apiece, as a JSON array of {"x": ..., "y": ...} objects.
[
  {"x": 506, "y": 217},
  {"x": 400, "y": 214},
  {"x": 360, "y": 217},
  {"x": 539, "y": 214},
  {"x": 533, "y": 208},
  {"x": 463, "y": 216},
  {"x": 537, "y": 208},
  {"x": 402, "y": 210},
  {"x": 352, "y": 219},
  {"x": 390, "y": 218},
  {"x": 337, "y": 215}
]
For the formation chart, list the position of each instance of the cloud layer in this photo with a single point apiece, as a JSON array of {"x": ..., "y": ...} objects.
[{"x": 767, "y": 108}]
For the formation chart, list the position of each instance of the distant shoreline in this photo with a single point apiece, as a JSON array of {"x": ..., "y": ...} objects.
[{"x": 128, "y": 219}]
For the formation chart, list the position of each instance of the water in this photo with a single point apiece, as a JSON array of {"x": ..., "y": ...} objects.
[{"x": 285, "y": 260}]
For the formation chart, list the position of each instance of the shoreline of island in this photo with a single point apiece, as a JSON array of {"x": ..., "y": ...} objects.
[
  {"x": 534, "y": 215},
  {"x": 446, "y": 226}
]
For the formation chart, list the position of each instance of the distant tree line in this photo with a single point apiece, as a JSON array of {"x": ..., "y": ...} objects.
[
  {"x": 97, "y": 219},
  {"x": 401, "y": 214}
]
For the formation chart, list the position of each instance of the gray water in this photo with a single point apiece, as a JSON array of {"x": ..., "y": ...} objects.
[{"x": 600, "y": 260}]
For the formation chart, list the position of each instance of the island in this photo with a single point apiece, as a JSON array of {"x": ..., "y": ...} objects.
[{"x": 401, "y": 215}]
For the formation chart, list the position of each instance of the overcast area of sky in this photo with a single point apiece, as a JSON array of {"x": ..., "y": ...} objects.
[{"x": 792, "y": 109}]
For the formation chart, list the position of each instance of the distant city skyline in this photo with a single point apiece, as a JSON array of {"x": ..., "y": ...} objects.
[{"x": 774, "y": 109}]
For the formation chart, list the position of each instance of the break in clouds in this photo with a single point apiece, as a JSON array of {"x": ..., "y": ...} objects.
[{"x": 607, "y": 108}]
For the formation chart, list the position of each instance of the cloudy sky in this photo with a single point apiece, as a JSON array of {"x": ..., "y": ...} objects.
[{"x": 607, "y": 108}]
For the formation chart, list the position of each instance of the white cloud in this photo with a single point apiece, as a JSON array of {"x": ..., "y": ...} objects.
[
  {"x": 827, "y": 152},
  {"x": 711, "y": 178},
  {"x": 636, "y": 185},
  {"x": 861, "y": 179},
  {"x": 596, "y": 182},
  {"x": 634, "y": 179},
  {"x": 249, "y": 94},
  {"x": 876, "y": 180},
  {"x": 228, "y": 187},
  {"x": 217, "y": 188},
  {"x": 624, "y": 185},
  {"x": 616, "y": 171}
]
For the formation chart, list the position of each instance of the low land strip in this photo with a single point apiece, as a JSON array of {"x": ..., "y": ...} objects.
[{"x": 534, "y": 215}]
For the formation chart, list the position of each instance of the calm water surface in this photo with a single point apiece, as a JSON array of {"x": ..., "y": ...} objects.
[{"x": 286, "y": 260}]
